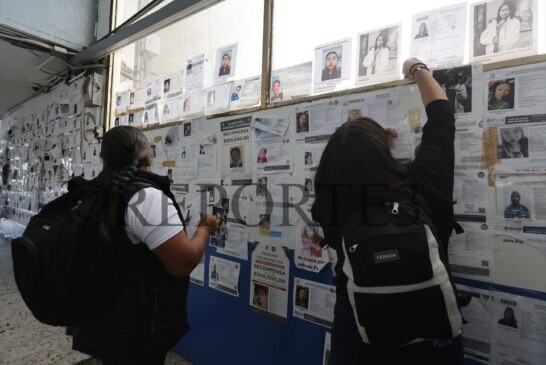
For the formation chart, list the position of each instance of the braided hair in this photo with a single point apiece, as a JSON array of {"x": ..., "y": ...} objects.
[{"x": 124, "y": 149}]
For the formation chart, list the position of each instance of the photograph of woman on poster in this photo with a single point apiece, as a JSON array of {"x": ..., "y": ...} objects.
[
  {"x": 377, "y": 59},
  {"x": 331, "y": 69},
  {"x": 311, "y": 238},
  {"x": 423, "y": 31},
  {"x": 501, "y": 95},
  {"x": 513, "y": 144},
  {"x": 502, "y": 32}
]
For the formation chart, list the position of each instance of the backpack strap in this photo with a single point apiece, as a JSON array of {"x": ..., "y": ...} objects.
[
  {"x": 457, "y": 227},
  {"x": 76, "y": 182},
  {"x": 139, "y": 182}
]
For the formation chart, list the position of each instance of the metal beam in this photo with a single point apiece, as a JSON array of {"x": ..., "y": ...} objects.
[{"x": 170, "y": 13}]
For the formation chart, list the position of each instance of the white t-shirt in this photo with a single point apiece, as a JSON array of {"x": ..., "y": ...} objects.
[{"x": 151, "y": 218}]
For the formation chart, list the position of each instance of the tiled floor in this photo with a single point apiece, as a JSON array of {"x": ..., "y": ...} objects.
[{"x": 24, "y": 340}]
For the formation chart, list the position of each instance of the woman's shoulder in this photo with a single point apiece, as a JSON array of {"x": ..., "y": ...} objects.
[
  {"x": 146, "y": 194},
  {"x": 514, "y": 21}
]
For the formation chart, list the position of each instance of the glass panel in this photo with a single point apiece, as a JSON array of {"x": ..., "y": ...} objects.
[
  {"x": 183, "y": 61},
  {"x": 304, "y": 34},
  {"x": 127, "y": 8}
]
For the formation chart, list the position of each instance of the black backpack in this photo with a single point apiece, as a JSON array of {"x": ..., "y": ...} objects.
[
  {"x": 63, "y": 270},
  {"x": 398, "y": 285}
]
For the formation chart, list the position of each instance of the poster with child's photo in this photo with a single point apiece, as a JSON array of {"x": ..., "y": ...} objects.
[{"x": 309, "y": 254}]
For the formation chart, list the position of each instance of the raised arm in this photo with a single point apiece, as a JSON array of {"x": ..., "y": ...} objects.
[{"x": 429, "y": 88}]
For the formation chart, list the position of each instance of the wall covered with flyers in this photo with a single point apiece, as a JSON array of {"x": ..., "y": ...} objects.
[
  {"x": 255, "y": 170},
  {"x": 51, "y": 138},
  {"x": 263, "y": 292}
]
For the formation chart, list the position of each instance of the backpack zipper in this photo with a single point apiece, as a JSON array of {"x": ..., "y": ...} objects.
[
  {"x": 394, "y": 210},
  {"x": 77, "y": 205}
]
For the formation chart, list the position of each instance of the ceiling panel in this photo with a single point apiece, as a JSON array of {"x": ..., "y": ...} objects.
[{"x": 19, "y": 72}]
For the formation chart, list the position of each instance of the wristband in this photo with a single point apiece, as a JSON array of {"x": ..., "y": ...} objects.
[
  {"x": 414, "y": 69},
  {"x": 410, "y": 71}
]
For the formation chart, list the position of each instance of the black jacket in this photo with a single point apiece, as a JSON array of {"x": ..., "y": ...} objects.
[{"x": 148, "y": 317}]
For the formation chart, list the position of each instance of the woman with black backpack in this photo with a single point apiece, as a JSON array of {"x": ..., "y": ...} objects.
[
  {"x": 356, "y": 173},
  {"x": 144, "y": 230}
]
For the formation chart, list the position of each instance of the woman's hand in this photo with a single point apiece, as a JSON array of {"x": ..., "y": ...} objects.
[
  {"x": 429, "y": 88},
  {"x": 391, "y": 135},
  {"x": 209, "y": 222},
  {"x": 407, "y": 66}
]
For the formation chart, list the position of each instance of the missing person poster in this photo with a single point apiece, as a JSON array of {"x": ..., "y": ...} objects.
[
  {"x": 332, "y": 65},
  {"x": 224, "y": 275},
  {"x": 314, "y": 301},
  {"x": 309, "y": 254},
  {"x": 270, "y": 272},
  {"x": 236, "y": 148},
  {"x": 379, "y": 55},
  {"x": 503, "y": 29}
]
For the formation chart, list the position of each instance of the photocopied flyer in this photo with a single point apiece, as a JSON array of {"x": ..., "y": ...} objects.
[
  {"x": 327, "y": 348},
  {"x": 308, "y": 254},
  {"x": 274, "y": 156},
  {"x": 224, "y": 275},
  {"x": 314, "y": 301},
  {"x": 438, "y": 36},
  {"x": 332, "y": 65},
  {"x": 245, "y": 93},
  {"x": 471, "y": 252},
  {"x": 379, "y": 55},
  {"x": 291, "y": 82},
  {"x": 236, "y": 148},
  {"x": 317, "y": 118},
  {"x": 194, "y": 73},
  {"x": 270, "y": 272},
  {"x": 197, "y": 276},
  {"x": 218, "y": 98},
  {"x": 470, "y": 194},
  {"x": 477, "y": 324},
  {"x": 226, "y": 62},
  {"x": 521, "y": 200},
  {"x": 502, "y": 328},
  {"x": 172, "y": 84},
  {"x": 518, "y": 330},
  {"x": 517, "y": 34},
  {"x": 468, "y": 146}
]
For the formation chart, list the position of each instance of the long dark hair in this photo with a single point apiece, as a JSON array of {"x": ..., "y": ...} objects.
[
  {"x": 511, "y": 7},
  {"x": 507, "y": 147},
  {"x": 356, "y": 162},
  {"x": 493, "y": 88},
  {"x": 124, "y": 149},
  {"x": 384, "y": 37}
]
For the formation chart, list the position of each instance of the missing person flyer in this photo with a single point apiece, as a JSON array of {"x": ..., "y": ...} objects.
[{"x": 269, "y": 279}]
